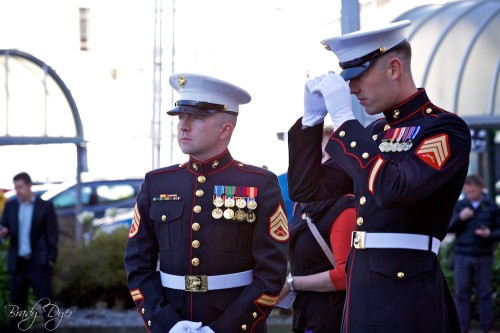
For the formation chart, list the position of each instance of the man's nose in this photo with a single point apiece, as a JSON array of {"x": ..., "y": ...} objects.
[{"x": 183, "y": 123}]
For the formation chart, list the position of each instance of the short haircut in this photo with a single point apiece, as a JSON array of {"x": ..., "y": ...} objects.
[
  {"x": 404, "y": 50},
  {"x": 474, "y": 180},
  {"x": 24, "y": 177}
]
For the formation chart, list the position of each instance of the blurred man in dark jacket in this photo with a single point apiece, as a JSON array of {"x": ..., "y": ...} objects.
[
  {"x": 31, "y": 224},
  {"x": 476, "y": 224}
]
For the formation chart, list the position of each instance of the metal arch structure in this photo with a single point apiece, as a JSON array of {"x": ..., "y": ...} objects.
[
  {"x": 77, "y": 139},
  {"x": 466, "y": 58},
  {"x": 458, "y": 12},
  {"x": 20, "y": 140}
]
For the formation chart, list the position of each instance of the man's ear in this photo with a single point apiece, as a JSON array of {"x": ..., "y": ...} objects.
[
  {"x": 395, "y": 68},
  {"x": 226, "y": 131}
]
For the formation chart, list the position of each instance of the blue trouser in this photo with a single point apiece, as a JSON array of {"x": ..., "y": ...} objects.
[{"x": 471, "y": 270}]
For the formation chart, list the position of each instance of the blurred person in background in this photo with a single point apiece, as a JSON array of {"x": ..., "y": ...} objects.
[
  {"x": 320, "y": 286},
  {"x": 476, "y": 224},
  {"x": 31, "y": 224}
]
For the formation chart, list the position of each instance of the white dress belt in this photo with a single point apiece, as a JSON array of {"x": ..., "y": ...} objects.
[
  {"x": 374, "y": 240},
  {"x": 204, "y": 282}
]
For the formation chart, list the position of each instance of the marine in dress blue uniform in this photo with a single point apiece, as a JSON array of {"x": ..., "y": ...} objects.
[
  {"x": 408, "y": 168},
  {"x": 209, "y": 239}
]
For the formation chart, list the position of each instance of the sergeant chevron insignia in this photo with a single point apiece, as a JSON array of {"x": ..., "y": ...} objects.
[
  {"x": 278, "y": 225},
  {"x": 134, "y": 228},
  {"x": 136, "y": 295},
  {"x": 267, "y": 300},
  {"x": 435, "y": 151}
]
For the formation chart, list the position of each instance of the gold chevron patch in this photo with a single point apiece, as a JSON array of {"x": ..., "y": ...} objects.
[
  {"x": 267, "y": 300},
  {"x": 435, "y": 151},
  {"x": 136, "y": 221},
  {"x": 278, "y": 225},
  {"x": 136, "y": 295}
]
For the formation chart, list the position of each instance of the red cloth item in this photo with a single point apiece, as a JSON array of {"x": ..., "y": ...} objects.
[{"x": 340, "y": 240}]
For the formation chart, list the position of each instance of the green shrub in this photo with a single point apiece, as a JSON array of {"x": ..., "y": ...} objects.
[{"x": 93, "y": 273}]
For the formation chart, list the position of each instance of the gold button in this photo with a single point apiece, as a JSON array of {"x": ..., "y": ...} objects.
[
  {"x": 244, "y": 327},
  {"x": 199, "y": 193},
  {"x": 387, "y": 127},
  {"x": 181, "y": 165},
  {"x": 195, "y": 261},
  {"x": 401, "y": 275},
  {"x": 215, "y": 164},
  {"x": 365, "y": 155},
  {"x": 195, "y": 166},
  {"x": 197, "y": 209},
  {"x": 353, "y": 144},
  {"x": 341, "y": 134},
  {"x": 195, "y": 226},
  {"x": 395, "y": 113},
  {"x": 164, "y": 218},
  {"x": 254, "y": 314},
  {"x": 375, "y": 137},
  {"x": 143, "y": 310},
  {"x": 428, "y": 110},
  {"x": 202, "y": 179},
  {"x": 196, "y": 244},
  {"x": 149, "y": 322},
  {"x": 359, "y": 221},
  {"x": 362, "y": 200},
  {"x": 240, "y": 164}
]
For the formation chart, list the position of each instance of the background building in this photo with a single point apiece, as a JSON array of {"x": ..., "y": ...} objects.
[{"x": 116, "y": 56}]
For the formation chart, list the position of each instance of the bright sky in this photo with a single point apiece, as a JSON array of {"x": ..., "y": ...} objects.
[{"x": 266, "y": 47}]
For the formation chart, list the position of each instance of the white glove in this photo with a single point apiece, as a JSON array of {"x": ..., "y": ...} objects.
[
  {"x": 337, "y": 96},
  {"x": 206, "y": 329},
  {"x": 314, "y": 105},
  {"x": 185, "y": 326}
]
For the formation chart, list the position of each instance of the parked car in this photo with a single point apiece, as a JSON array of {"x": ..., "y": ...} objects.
[
  {"x": 37, "y": 189},
  {"x": 108, "y": 224},
  {"x": 97, "y": 197}
]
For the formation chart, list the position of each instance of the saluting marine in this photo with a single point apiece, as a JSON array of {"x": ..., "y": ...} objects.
[
  {"x": 407, "y": 167},
  {"x": 207, "y": 249}
]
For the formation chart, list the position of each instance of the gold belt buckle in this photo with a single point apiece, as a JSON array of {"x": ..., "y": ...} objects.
[
  {"x": 358, "y": 239},
  {"x": 196, "y": 283}
]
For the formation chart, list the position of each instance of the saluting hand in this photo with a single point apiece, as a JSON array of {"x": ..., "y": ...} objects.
[
  {"x": 314, "y": 105},
  {"x": 337, "y": 96}
]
